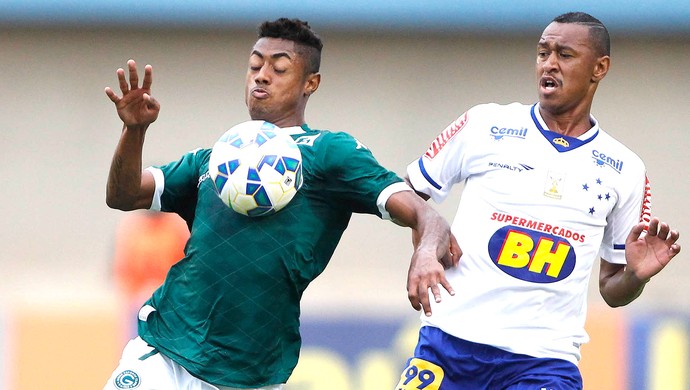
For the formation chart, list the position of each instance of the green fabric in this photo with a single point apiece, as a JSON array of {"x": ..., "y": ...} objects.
[{"x": 229, "y": 311}]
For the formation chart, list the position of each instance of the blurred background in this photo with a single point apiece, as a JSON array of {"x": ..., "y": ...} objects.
[{"x": 394, "y": 74}]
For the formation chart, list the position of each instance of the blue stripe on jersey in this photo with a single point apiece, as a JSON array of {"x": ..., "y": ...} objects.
[
  {"x": 426, "y": 175},
  {"x": 619, "y": 246},
  {"x": 562, "y": 143}
]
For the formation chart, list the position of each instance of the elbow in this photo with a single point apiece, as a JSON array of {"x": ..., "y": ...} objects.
[{"x": 118, "y": 203}]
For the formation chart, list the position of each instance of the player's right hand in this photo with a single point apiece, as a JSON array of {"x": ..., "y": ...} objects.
[{"x": 136, "y": 107}]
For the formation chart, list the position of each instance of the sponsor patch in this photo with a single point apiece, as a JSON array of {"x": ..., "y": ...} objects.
[
  {"x": 127, "y": 379},
  {"x": 531, "y": 255},
  {"x": 603, "y": 160},
  {"x": 446, "y": 136},
  {"x": 499, "y": 133}
]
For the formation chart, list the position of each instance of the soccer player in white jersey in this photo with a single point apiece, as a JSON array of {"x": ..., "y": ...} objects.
[
  {"x": 227, "y": 315},
  {"x": 547, "y": 193}
]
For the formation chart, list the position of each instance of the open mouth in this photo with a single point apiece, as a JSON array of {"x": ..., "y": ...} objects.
[{"x": 549, "y": 83}]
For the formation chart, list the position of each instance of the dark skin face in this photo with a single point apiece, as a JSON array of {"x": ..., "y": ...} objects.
[
  {"x": 278, "y": 85},
  {"x": 568, "y": 72}
]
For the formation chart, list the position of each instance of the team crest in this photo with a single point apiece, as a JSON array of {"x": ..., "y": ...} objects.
[
  {"x": 127, "y": 379},
  {"x": 561, "y": 141},
  {"x": 553, "y": 187}
]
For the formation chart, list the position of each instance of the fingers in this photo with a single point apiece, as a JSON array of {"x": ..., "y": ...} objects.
[
  {"x": 148, "y": 77},
  {"x": 419, "y": 294},
  {"x": 653, "y": 227},
  {"x": 131, "y": 84},
  {"x": 635, "y": 232},
  {"x": 124, "y": 87},
  {"x": 151, "y": 103},
  {"x": 455, "y": 251},
  {"x": 111, "y": 94},
  {"x": 133, "y": 76}
]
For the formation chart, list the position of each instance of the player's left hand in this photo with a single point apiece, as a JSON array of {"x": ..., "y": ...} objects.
[
  {"x": 647, "y": 254},
  {"x": 426, "y": 273}
]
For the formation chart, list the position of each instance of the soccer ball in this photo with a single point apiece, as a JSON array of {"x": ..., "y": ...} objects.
[{"x": 256, "y": 169}]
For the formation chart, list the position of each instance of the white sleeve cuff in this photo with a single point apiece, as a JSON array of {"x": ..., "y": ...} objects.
[
  {"x": 159, "y": 180},
  {"x": 386, "y": 193}
]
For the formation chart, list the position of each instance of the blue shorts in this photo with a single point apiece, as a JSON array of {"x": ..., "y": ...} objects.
[{"x": 444, "y": 362}]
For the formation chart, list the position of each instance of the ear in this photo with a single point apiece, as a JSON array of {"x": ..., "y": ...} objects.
[
  {"x": 312, "y": 83},
  {"x": 601, "y": 68}
]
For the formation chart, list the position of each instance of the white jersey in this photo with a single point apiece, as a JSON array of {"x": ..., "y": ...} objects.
[{"x": 536, "y": 212}]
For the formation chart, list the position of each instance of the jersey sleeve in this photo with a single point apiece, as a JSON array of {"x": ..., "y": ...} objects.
[
  {"x": 630, "y": 210},
  {"x": 355, "y": 177},
  {"x": 177, "y": 184},
  {"x": 445, "y": 161}
]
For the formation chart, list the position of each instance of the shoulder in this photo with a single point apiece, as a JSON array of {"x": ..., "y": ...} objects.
[
  {"x": 323, "y": 139},
  {"x": 493, "y": 108},
  {"x": 611, "y": 149}
]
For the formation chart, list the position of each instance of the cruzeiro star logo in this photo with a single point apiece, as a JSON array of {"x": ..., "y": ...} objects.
[
  {"x": 127, "y": 379},
  {"x": 594, "y": 188}
]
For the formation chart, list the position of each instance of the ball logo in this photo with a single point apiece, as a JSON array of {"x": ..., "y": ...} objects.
[
  {"x": 127, "y": 379},
  {"x": 531, "y": 255}
]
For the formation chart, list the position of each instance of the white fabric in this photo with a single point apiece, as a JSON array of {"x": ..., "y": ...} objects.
[
  {"x": 159, "y": 179},
  {"x": 386, "y": 193},
  {"x": 539, "y": 213},
  {"x": 157, "y": 372}
]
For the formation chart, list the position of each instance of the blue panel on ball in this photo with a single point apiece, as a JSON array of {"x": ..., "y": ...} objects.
[
  {"x": 291, "y": 163},
  {"x": 260, "y": 139},
  {"x": 227, "y": 136},
  {"x": 267, "y": 126},
  {"x": 252, "y": 188},
  {"x": 223, "y": 168},
  {"x": 269, "y": 159},
  {"x": 300, "y": 179},
  {"x": 220, "y": 182},
  {"x": 237, "y": 142},
  {"x": 280, "y": 167},
  {"x": 233, "y": 165},
  {"x": 260, "y": 212},
  {"x": 253, "y": 175},
  {"x": 261, "y": 198}
]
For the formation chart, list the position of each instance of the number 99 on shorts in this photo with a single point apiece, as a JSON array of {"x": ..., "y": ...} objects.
[{"x": 420, "y": 375}]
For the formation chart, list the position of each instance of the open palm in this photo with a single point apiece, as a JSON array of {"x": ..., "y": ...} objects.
[
  {"x": 649, "y": 253},
  {"x": 135, "y": 107}
]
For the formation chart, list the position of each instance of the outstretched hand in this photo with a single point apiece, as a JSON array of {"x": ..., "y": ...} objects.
[
  {"x": 136, "y": 107},
  {"x": 426, "y": 272},
  {"x": 646, "y": 255}
]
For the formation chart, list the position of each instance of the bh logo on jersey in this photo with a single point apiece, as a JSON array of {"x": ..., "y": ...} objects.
[
  {"x": 531, "y": 255},
  {"x": 127, "y": 379}
]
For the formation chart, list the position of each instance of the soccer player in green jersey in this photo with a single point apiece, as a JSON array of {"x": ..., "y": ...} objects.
[{"x": 227, "y": 315}]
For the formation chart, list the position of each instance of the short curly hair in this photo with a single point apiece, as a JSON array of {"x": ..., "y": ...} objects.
[{"x": 309, "y": 44}]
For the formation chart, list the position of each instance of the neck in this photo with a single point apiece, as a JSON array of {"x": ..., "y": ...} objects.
[{"x": 572, "y": 124}]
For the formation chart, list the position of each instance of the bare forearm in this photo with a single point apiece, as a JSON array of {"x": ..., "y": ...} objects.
[
  {"x": 621, "y": 287},
  {"x": 124, "y": 178}
]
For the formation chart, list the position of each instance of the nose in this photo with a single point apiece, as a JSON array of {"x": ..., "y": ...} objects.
[
  {"x": 262, "y": 76},
  {"x": 550, "y": 62}
]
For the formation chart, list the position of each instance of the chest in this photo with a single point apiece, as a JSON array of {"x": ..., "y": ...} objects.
[{"x": 531, "y": 172}]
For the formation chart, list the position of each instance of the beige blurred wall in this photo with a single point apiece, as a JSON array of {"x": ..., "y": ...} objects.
[{"x": 395, "y": 93}]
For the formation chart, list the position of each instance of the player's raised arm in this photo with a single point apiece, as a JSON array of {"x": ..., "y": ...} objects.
[
  {"x": 435, "y": 248},
  {"x": 128, "y": 188},
  {"x": 646, "y": 255}
]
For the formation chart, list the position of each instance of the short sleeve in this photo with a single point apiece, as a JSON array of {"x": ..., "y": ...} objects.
[
  {"x": 353, "y": 174},
  {"x": 630, "y": 210},
  {"x": 177, "y": 184},
  {"x": 443, "y": 164}
]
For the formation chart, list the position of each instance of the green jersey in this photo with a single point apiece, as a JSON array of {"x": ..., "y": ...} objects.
[{"x": 229, "y": 310}]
